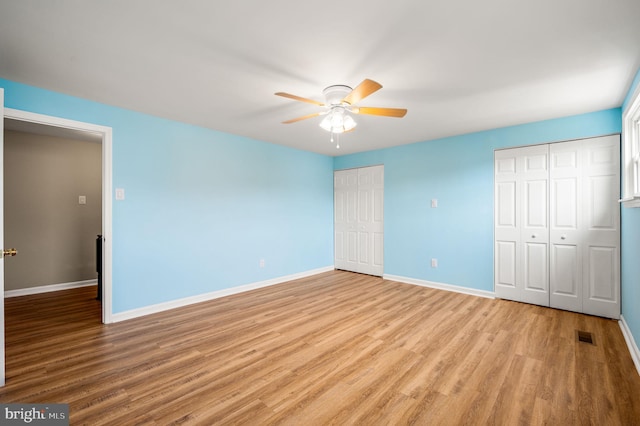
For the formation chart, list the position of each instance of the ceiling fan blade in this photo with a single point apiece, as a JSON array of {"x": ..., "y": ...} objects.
[
  {"x": 363, "y": 90},
  {"x": 387, "y": 112},
  {"x": 298, "y": 98},
  {"x": 304, "y": 117}
]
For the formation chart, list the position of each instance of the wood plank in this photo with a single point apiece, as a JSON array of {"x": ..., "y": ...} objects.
[{"x": 335, "y": 348}]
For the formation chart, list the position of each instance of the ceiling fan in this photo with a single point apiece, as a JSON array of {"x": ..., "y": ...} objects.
[{"x": 339, "y": 102}]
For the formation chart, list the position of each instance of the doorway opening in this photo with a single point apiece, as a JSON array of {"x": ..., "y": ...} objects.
[
  {"x": 52, "y": 210},
  {"x": 57, "y": 127}
]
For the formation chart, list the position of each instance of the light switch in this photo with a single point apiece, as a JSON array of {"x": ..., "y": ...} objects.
[
  {"x": 82, "y": 199},
  {"x": 434, "y": 203},
  {"x": 119, "y": 193}
]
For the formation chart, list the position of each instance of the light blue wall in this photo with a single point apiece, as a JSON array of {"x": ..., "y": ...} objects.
[
  {"x": 458, "y": 171},
  {"x": 630, "y": 255},
  {"x": 202, "y": 207}
]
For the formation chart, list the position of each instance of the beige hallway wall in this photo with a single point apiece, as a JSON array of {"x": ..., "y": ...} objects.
[{"x": 54, "y": 234}]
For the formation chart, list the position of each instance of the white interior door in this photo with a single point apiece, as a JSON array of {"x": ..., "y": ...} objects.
[
  {"x": 601, "y": 223},
  {"x": 557, "y": 225},
  {"x": 507, "y": 222},
  {"x": 359, "y": 220},
  {"x": 370, "y": 224},
  {"x": 2, "y": 353},
  {"x": 566, "y": 224},
  {"x": 585, "y": 226},
  {"x": 534, "y": 230},
  {"x": 345, "y": 193},
  {"x": 521, "y": 225}
]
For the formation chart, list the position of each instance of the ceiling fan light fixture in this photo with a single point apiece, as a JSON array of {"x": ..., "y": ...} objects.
[
  {"x": 348, "y": 123},
  {"x": 337, "y": 121},
  {"x": 326, "y": 123}
]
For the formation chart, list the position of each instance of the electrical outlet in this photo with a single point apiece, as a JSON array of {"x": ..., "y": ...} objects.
[
  {"x": 434, "y": 263},
  {"x": 434, "y": 203},
  {"x": 82, "y": 199},
  {"x": 262, "y": 263}
]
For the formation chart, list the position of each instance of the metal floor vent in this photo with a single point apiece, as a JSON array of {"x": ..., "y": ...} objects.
[{"x": 585, "y": 336}]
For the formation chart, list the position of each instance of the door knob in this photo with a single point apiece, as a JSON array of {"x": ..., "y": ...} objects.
[{"x": 9, "y": 252}]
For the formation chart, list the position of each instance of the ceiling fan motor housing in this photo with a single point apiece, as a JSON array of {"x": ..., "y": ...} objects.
[{"x": 335, "y": 94}]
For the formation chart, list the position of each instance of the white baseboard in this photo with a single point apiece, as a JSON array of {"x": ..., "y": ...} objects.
[
  {"x": 631, "y": 343},
  {"x": 160, "y": 307},
  {"x": 441, "y": 286},
  {"x": 48, "y": 288}
]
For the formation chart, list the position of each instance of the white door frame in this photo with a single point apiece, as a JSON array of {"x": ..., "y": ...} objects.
[
  {"x": 2, "y": 351},
  {"x": 107, "y": 167}
]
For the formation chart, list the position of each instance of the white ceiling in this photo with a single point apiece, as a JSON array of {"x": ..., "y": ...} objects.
[{"x": 457, "y": 66}]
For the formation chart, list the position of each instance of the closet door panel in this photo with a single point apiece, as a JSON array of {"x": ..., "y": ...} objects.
[
  {"x": 364, "y": 204},
  {"x": 602, "y": 273},
  {"x": 377, "y": 223},
  {"x": 505, "y": 273},
  {"x": 521, "y": 225},
  {"x": 339, "y": 246},
  {"x": 371, "y": 220},
  {"x": 507, "y": 225},
  {"x": 602, "y": 191},
  {"x": 345, "y": 183},
  {"x": 536, "y": 205},
  {"x": 536, "y": 274},
  {"x": 378, "y": 255},
  {"x": 363, "y": 248},
  {"x": 565, "y": 275},
  {"x": 352, "y": 251},
  {"x": 506, "y": 205},
  {"x": 339, "y": 217},
  {"x": 601, "y": 268},
  {"x": 536, "y": 159},
  {"x": 533, "y": 184},
  {"x": 564, "y": 214}
]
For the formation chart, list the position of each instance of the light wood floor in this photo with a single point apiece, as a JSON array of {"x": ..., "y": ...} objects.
[{"x": 336, "y": 348}]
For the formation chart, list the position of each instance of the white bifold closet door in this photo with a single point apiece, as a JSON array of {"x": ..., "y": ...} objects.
[
  {"x": 521, "y": 224},
  {"x": 557, "y": 225},
  {"x": 359, "y": 220}
]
